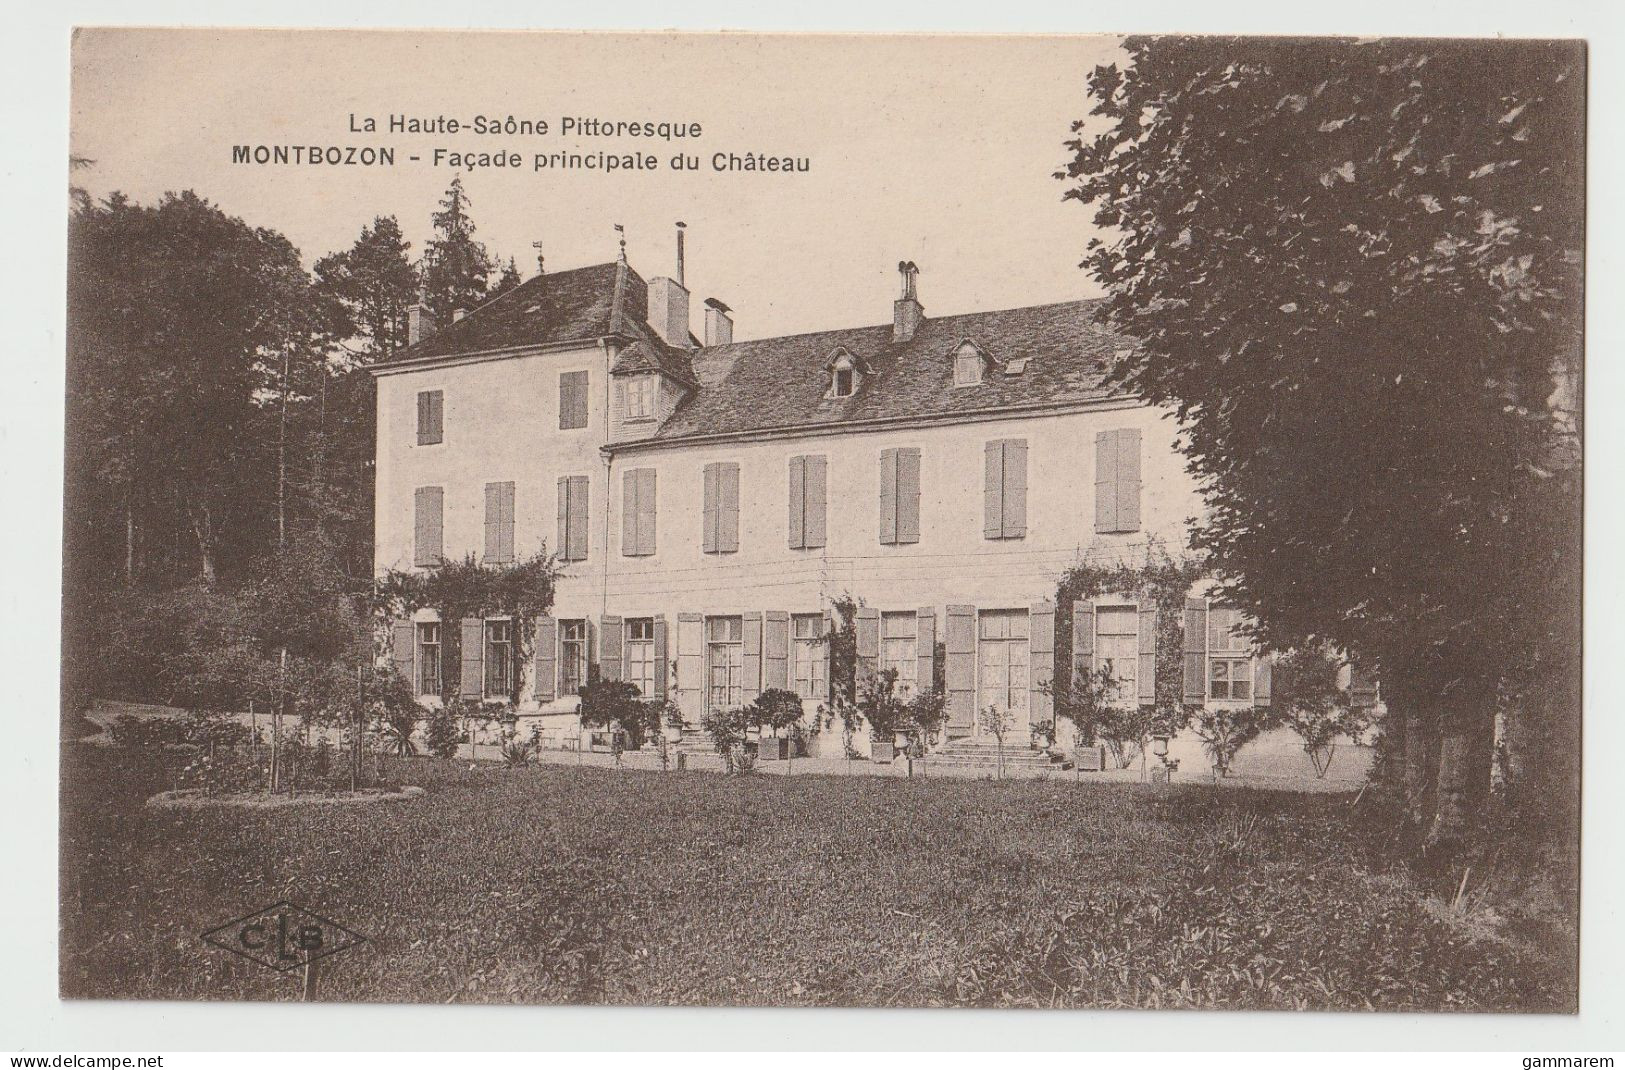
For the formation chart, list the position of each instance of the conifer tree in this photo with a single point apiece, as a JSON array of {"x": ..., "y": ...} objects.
[{"x": 457, "y": 268}]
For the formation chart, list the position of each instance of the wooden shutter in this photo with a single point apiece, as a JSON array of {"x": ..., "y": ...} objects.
[
  {"x": 993, "y": 490},
  {"x": 1128, "y": 479},
  {"x": 908, "y": 496},
  {"x": 691, "y": 665},
  {"x": 498, "y": 523},
  {"x": 1106, "y": 481},
  {"x": 563, "y": 549},
  {"x": 403, "y": 651},
  {"x": 776, "y": 650},
  {"x": 728, "y": 508},
  {"x": 1041, "y": 671},
  {"x": 1015, "y": 489},
  {"x": 1148, "y": 654},
  {"x": 959, "y": 649},
  {"x": 814, "y": 501},
  {"x": 646, "y": 511},
  {"x": 576, "y": 520},
  {"x": 797, "y": 495},
  {"x": 709, "y": 541},
  {"x": 547, "y": 659},
  {"x": 888, "y": 497},
  {"x": 1362, "y": 686},
  {"x": 631, "y": 491},
  {"x": 472, "y": 684},
  {"x": 427, "y": 432},
  {"x": 572, "y": 400},
  {"x": 611, "y": 649},
  {"x": 1263, "y": 670},
  {"x": 925, "y": 647},
  {"x": 751, "y": 633},
  {"x": 1083, "y": 639},
  {"x": 868, "y": 626},
  {"x": 437, "y": 415},
  {"x": 662, "y": 667},
  {"x": 428, "y": 528},
  {"x": 1195, "y": 651}
]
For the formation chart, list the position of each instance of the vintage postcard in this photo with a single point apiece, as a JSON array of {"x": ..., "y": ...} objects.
[{"x": 807, "y": 520}]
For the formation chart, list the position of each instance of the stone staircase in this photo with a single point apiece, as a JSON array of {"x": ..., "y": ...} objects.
[{"x": 976, "y": 753}]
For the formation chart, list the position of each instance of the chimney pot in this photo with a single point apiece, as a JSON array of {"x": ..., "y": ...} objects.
[
  {"x": 719, "y": 326},
  {"x": 668, "y": 311},
  {"x": 907, "y": 312}
]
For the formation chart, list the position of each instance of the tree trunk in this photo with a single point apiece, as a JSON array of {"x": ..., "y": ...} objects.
[
  {"x": 1465, "y": 742},
  {"x": 203, "y": 530},
  {"x": 129, "y": 540}
]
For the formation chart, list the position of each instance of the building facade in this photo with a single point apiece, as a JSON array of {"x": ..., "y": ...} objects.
[{"x": 711, "y": 500}]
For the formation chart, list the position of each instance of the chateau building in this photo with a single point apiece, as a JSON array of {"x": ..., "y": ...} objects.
[{"x": 711, "y": 499}]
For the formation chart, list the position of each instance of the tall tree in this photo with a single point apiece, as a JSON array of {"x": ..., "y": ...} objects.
[
  {"x": 375, "y": 282},
  {"x": 457, "y": 268},
  {"x": 1352, "y": 268},
  {"x": 509, "y": 280}
]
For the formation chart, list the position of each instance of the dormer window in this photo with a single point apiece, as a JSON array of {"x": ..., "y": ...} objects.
[
  {"x": 845, "y": 380},
  {"x": 967, "y": 366},
  {"x": 846, "y": 373},
  {"x": 640, "y": 397}
]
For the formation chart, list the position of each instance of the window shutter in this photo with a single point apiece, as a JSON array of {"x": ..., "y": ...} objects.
[
  {"x": 563, "y": 549},
  {"x": 547, "y": 659},
  {"x": 776, "y": 650},
  {"x": 959, "y": 651},
  {"x": 814, "y": 498},
  {"x": 993, "y": 490},
  {"x": 437, "y": 415},
  {"x": 1148, "y": 654},
  {"x": 1362, "y": 686},
  {"x": 572, "y": 400},
  {"x": 611, "y": 651},
  {"x": 728, "y": 509},
  {"x": 709, "y": 540},
  {"x": 631, "y": 485},
  {"x": 1041, "y": 643},
  {"x": 499, "y": 523},
  {"x": 797, "y": 495},
  {"x": 1128, "y": 479},
  {"x": 428, "y": 538},
  {"x": 472, "y": 684},
  {"x": 828, "y": 630},
  {"x": 868, "y": 625},
  {"x": 1106, "y": 481},
  {"x": 1015, "y": 489},
  {"x": 403, "y": 651},
  {"x": 1263, "y": 670},
  {"x": 507, "y": 540},
  {"x": 691, "y": 665},
  {"x": 662, "y": 666},
  {"x": 646, "y": 511},
  {"x": 1195, "y": 651},
  {"x": 577, "y": 519},
  {"x": 425, "y": 421},
  {"x": 908, "y": 496},
  {"x": 1083, "y": 638},
  {"x": 925, "y": 647},
  {"x": 888, "y": 497},
  {"x": 751, "y": 633}
]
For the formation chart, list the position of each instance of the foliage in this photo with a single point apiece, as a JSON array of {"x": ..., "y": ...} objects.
[
  {"x": 776, "y": 710},
  {"x": 457, "y": 267},
  {"x": 842, "y": 641},
  {"x": 925, "y": 715},
  {"x": 1127, "y": 731},
  {"x": 881, "y": 706},
  {"x": 517, "y": 751},
  {"x": 1225, "y": 728},
  {"x": 607, "y": 703},
  {"x": 1308, "y": 700},
  {"x": 375, "y": 283},
  {"x": 398, "y": 725},
  {"x": 1085, "y": 699},
  {"x": 727, "y": 731},
  {"x": 441, "y": 734},
  {"x": 996, "y": 721}
]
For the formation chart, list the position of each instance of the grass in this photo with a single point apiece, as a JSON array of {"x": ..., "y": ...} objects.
[{"x": 568, "y": 884}]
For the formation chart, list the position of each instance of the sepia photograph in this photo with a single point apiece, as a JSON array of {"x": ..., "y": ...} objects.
[{"x": 679, "y": 519}]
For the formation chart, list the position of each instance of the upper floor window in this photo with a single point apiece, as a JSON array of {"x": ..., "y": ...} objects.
[
  {"x": 572, "y": 400},
  {"x": 640, "y": 397},
  {"x": 431, "y": 417},
  {"x": 967, "y": 366}
]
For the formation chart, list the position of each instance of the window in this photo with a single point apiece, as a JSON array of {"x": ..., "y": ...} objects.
[
  {"x": 640, "y": 397},
  {"x": 428, "y": 526},
  {"x": 572, "y": 400},
  {"x": 899, "y": 496},
  {"x": 1004, "y": 655},
  {"x": 429, "y": 658},
  {"x": 1004, "y": 489},
  {"x": 640, "y": 655},
  {"x": 808, "y": 476},
  {"x": 720, "y": 513},
  {"x": 724, "y": 662},
  {"x": 638, "y": 512},
  {"x": 1117, "y": 481},
  {"x": 898, "y": 650},
  {"x": 431, "y": 417},
  {"x": 498, "y": 658},
  {"x": 845, "y": 381},
  {"x": 967, "y": 366},
  {"x": 498, "y": 523},
  {"x": 572, "y": 656},
  {"x": 572, "y": 544},
  {"x": 1117, "y": 647},
  {"x": 811, "y": 673},
  {"x": 1230, "y": 662}
]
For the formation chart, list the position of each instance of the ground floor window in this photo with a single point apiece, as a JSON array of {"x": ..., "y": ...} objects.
[
  {"x": 1117, "y": 647},
  {"x": 640, "y": 655},
  {"x": 429, "y": 658},
  {"x": 899, "y": 651},
  {"x": 724, "y": 662},
  {"x": 572, "y": 656},
  {"x": 1230, "y": 663},
  {"x": 811, "y": 674},
  {"x": 498, "y": 658},
  {"x": 1003, "y": 655}
]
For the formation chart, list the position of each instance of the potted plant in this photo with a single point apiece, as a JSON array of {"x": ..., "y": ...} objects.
[
  {"x": 775, "y": 710},
  {"x": 885, "y": 711}
]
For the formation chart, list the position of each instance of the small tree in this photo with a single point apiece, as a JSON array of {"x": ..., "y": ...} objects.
[
  {"x": 1224, "y": 730},
  {"x": 1085, "y": 702},
  {"x": 619, "y": 705},
  {"x": 1310, "y": 702},
  {"x": 440, "y": 736},
  {"x": 997, "y": 722},
  {"x": 727, "y": 731},
  {"x": 881, "y": 705}
]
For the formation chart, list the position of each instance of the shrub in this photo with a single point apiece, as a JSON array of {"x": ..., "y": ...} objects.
[
  {"x": 517, "y": 751},
  {"x": 441, "y": 736},
  {"x": 616, "y": 704},
  {"x": 727, "y": 731},
  {"x": 1224, "y": 730},
  {"x": 924, "y": 716},
  {"x": 776, "y": 710},
  {"x": 1310, "y": 702},
  {"x": 881, "y": 705},
  {"x": 131, "y": 731},
  {"x": 397, "y": 724}
]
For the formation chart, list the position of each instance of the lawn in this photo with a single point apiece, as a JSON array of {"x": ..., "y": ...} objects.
[{"x": 561, "y": 884}]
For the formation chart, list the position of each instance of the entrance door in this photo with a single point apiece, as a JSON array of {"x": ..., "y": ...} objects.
[{"x": 1003, "y": 659}]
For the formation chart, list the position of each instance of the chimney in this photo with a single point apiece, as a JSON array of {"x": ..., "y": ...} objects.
[
  {"x": 906, "y": 310},
  {"x": 419, "y": 324},
  {"x": 457, "y": 314},
  {"x": 681, "y": 281},
  {"x": 668, "y": 311},
  {"x": 719, "y": 326}
]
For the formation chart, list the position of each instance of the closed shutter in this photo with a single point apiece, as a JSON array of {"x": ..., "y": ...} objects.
[
  {"x": 814, "y": 501},
  {"x": 572, "y": 400},
  {"x": 1083, "y": 640},
  {"x": 472, "y": 684},
  {"x": 646, "y": 511},
  {"x": 1263, "y": 670},
  {"x": 499, "y": 523},
  {"x": 1015, "y": 489},
  {"x": 428, "y": 429},
  {"x": 712, "y": 494},
  {"x": 562, "y": 551},
  {"x": 577, "y": 519},
  {"x": 611, "y": 650},
  {"x": 437, "y": 416},
  {"x": 959, "y": 650},
  {"x": 1128, "y": 479},
  {"x": 403, "y": 651},
  {"x": 1106, "y": 481},
  {"x": 797, "y": 495},
  {"x": 888, "y": 497},
  {"x": 908, "y": 496},
  {"x": 993, "y": 490},
  {"x": 925, "y": 647},
  {"x": 776, "y": 650},
  {"x": 631, "y": 492},
  {"x": 1195, "y": 651},
  {"x": 868, "y": 625},
  {"x": 1148, "y": 654},
  {"x": 547, "y": 659},
  {"x": 662, "y": 666},
  {"x": 428, "y": 528},
  {"x": 751, "y": 633},
  {"x": 1041, "y": 630},
  {"x": 728, "y": 508},
  {"x": 690, "y": 665}
]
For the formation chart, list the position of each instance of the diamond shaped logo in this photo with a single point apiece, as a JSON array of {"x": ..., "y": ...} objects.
[{"x": 283, "y": 936}]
